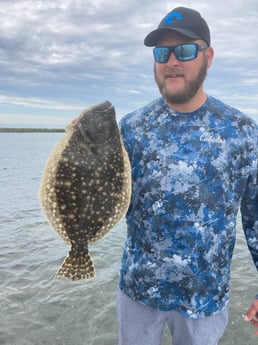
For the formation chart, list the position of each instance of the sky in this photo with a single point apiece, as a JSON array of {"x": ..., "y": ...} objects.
[{"x": 58, "y": 57}]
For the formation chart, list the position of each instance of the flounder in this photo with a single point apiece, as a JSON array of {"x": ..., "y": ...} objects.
[{"x": 86, "y": 186}]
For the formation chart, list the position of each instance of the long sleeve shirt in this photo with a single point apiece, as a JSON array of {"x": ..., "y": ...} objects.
[{"x": 191, "y": 173}]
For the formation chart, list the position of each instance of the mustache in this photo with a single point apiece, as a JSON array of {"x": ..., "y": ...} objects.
[{"x": 173, "y": 72}]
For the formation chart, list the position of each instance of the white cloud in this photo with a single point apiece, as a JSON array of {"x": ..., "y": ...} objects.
[
  {"x": 36, "y": 103},
  {"x": 41, "y": 121}
]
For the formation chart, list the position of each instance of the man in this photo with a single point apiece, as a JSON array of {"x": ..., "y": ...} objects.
[{"x": 194, "y": 164}]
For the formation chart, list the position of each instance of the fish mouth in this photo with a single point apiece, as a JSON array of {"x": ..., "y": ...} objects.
[
  {"x": 93, "y": 132},
  {"x": 107, "y": 108},
  {"x": 104, "y": 107},
  {"x": 88, "y": 138}
]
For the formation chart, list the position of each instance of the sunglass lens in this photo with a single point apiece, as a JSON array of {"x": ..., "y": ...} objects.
[
  {"x": 186, "y": 52},
  {"x": 161, "y": 54}
]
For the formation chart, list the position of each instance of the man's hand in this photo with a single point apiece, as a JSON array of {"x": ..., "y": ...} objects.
[{"x": 252, "y": 315}]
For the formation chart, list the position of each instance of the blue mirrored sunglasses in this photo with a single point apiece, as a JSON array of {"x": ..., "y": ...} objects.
[{"x": 183, "y": 52}]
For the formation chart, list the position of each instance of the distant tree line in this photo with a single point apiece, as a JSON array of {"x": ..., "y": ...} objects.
[{"x": 31, "y": 130}]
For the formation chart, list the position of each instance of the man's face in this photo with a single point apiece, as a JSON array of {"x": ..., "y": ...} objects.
[{"x": 181, "y": 81}]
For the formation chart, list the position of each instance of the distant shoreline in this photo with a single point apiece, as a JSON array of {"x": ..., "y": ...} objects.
[{"x": 31, "y": 130}]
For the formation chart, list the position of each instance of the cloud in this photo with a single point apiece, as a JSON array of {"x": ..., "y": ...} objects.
[
  {"x": 76, "y": 53},
  {"x": 35, "y": 103}
]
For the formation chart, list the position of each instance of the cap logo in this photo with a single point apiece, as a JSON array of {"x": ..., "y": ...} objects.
[{"x": 173, "y": 18}]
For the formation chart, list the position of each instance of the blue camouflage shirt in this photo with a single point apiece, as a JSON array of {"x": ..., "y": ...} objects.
[{"x": 191, "y": 173}]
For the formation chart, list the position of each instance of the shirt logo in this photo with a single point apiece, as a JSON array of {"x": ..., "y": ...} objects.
[{"x": 211, "y": 139}]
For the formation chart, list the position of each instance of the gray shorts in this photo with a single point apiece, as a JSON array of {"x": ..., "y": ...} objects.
[{"x": 139, "y": 324}]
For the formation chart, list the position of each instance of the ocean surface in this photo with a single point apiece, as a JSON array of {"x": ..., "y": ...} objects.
[{"x": 35, "y": 307}]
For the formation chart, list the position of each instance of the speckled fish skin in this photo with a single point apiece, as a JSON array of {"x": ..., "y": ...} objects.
[{"x": 86, "y": 186}]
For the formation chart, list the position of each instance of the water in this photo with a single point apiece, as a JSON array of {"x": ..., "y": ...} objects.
[{"x": 35, "y": 307}]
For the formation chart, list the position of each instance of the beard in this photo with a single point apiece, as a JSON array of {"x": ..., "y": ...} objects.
[{"x": 189, "y": 90}]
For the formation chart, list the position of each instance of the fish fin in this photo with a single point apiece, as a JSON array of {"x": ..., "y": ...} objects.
[{"x": 77, "y": 268}]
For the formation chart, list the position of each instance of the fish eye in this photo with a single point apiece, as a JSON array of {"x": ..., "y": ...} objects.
[
  {"x": 105, "y": 116},
  {"x": 101, "y": 114}
]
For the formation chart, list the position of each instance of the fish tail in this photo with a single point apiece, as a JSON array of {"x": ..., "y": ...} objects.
[{"x": 77, "y": 268}]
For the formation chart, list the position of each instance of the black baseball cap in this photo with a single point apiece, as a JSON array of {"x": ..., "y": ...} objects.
[{"x": 183, "y": 20}]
